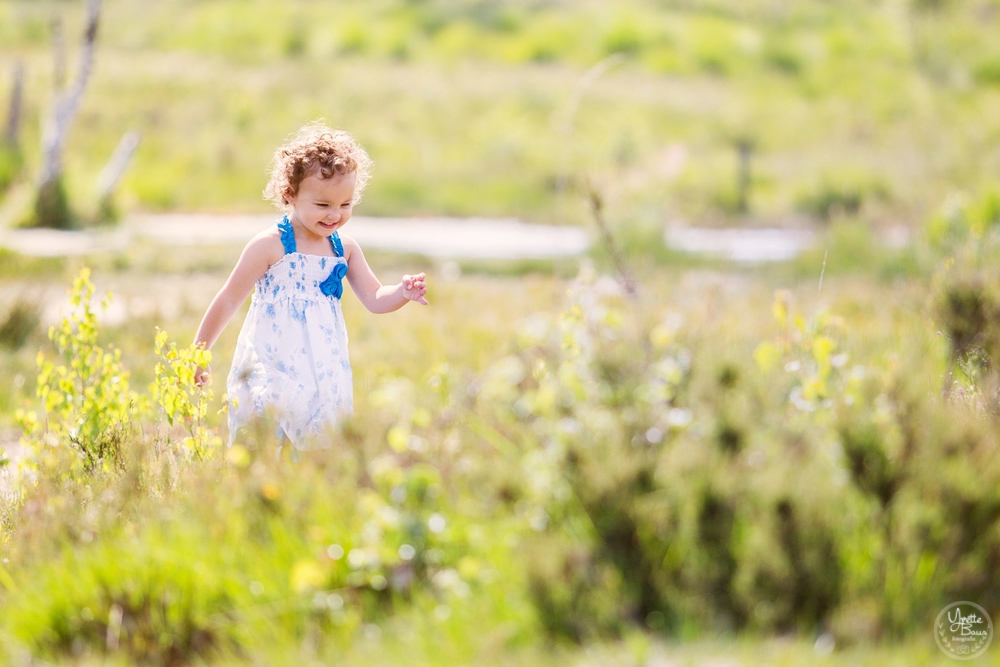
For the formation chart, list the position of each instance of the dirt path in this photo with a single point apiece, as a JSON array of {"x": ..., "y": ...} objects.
[
  {"x": 444, "y": 238},
  {"x": 438, "y": 238}
]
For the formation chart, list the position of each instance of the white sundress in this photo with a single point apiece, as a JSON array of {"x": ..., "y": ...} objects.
[{"x": 291, "y": 365}]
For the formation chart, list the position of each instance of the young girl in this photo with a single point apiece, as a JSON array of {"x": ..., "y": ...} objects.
[{"x": 291, "y": 362}]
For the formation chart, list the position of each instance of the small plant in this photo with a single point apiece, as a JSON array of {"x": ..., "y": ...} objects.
[
  {"x": 183, "y": 401},
  {"x": 809, "y": 353},
  {"x": 86, "y": 401}
]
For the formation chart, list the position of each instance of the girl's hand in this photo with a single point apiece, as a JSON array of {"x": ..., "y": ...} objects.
[
  {"x": 414, "y": 288},
  {"x": 202, "y": 376}
]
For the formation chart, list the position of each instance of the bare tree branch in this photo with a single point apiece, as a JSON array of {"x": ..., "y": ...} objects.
[
  {"x": 116, "y": 166},
  {"x": 617, "y": 257},
  {"x": 68, "y": 102}
]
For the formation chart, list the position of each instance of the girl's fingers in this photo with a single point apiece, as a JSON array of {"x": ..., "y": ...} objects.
[{"x": 417, "y": 287}]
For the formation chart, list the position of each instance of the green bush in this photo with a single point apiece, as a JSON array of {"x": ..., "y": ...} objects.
[
  {"x": 781, "y": 55},
  {"x": 19, "y": 324},
  {"x": 988, "y": 72},
  {"x": 962, "y": 221},
  {"x": 785, "y": 494},
  {"x": 52, "y": 209},
  {"x": 842, "y": 193}
]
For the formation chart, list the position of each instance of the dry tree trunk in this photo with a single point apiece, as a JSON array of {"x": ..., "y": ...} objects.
[
  {"x": 51, "y": 208},
  {"x": 58, "y": 55}
]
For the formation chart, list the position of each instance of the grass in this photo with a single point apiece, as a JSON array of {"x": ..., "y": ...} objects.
[{"x": 476, "y": 323}]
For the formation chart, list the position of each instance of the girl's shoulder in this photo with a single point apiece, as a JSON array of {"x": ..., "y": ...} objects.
[
  {"x": 267, "y": 246},
  {"x": 349, "y": 244}
]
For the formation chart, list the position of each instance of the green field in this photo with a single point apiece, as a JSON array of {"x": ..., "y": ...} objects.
[{"x": 784, "y": 463}]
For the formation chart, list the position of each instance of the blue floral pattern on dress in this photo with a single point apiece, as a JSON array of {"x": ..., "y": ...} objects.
[{"x": 291, "y": 363}]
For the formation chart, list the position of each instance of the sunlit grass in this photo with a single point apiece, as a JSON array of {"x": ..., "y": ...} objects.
[{"x": 401, "y": 363}]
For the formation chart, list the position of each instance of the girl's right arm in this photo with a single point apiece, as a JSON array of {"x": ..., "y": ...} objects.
[{"x": 259, "y": 254}]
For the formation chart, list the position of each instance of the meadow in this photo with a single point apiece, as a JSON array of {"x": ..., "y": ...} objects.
[
  {"x": 471, "y": 108},
  {"x": 786, "y": 463}
]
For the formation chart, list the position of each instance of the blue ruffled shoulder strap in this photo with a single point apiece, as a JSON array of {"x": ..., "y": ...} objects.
[
  {"x": 287, "y": 235},
  {"x": 334, "y": 285}
]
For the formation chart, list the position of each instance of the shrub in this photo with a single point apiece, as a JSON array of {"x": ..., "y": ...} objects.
[
  {"x": 788, "y": 494},
  {"x": 963, "y": 220},
  {"x": 19, "y": 324},
  {"x": 623, "y": 36},
  {"x": 964, "y": 238},
  {"x": 841, "y": 193},
  {"x": 52, "y": 206},
  {"x": 988, "y": 72}
]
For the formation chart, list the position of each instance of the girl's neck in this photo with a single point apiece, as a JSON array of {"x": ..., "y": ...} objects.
[{"x": 308, "y": 243}]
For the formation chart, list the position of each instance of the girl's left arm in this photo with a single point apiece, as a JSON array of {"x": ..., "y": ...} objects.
[{"x": 375, "y": 296}]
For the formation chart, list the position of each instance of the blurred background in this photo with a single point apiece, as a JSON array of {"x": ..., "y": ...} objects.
[
  {"x": 727, "y": 397},
  {"x": 874, "y": 109}
]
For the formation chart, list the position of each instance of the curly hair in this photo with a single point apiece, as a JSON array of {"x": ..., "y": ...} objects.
[{"x": 316, "y": 149}]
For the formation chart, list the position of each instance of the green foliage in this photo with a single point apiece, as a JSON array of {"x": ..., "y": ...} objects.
[
  {"x": 782, "y": 55},
  {"x": 967, "y": 306},
  {"x": 988, "y": 72},
  {"x": 732, "y": 464},
  {"x": 177, "y": 559},
  {"x": 963, "y": 237},
  {"x": 85, "y": 400},
  {"x": 692, "y": 495},
  {"x": 13, "y": 264},
  {"x": 11, "y": 163},
  {"x": 808, "y": 352},
  {"x": 624, "y": 36},
  {"x": 183, "y": 401},
  {"x": 963, "y": 220},
  {"x": 19, "y": 323},
  {"x": 52, "y": 209},
  {"x": 842, "y": 193}
]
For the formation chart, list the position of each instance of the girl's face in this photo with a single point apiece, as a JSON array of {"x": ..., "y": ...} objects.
[{"x": 323, "y": 205}]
